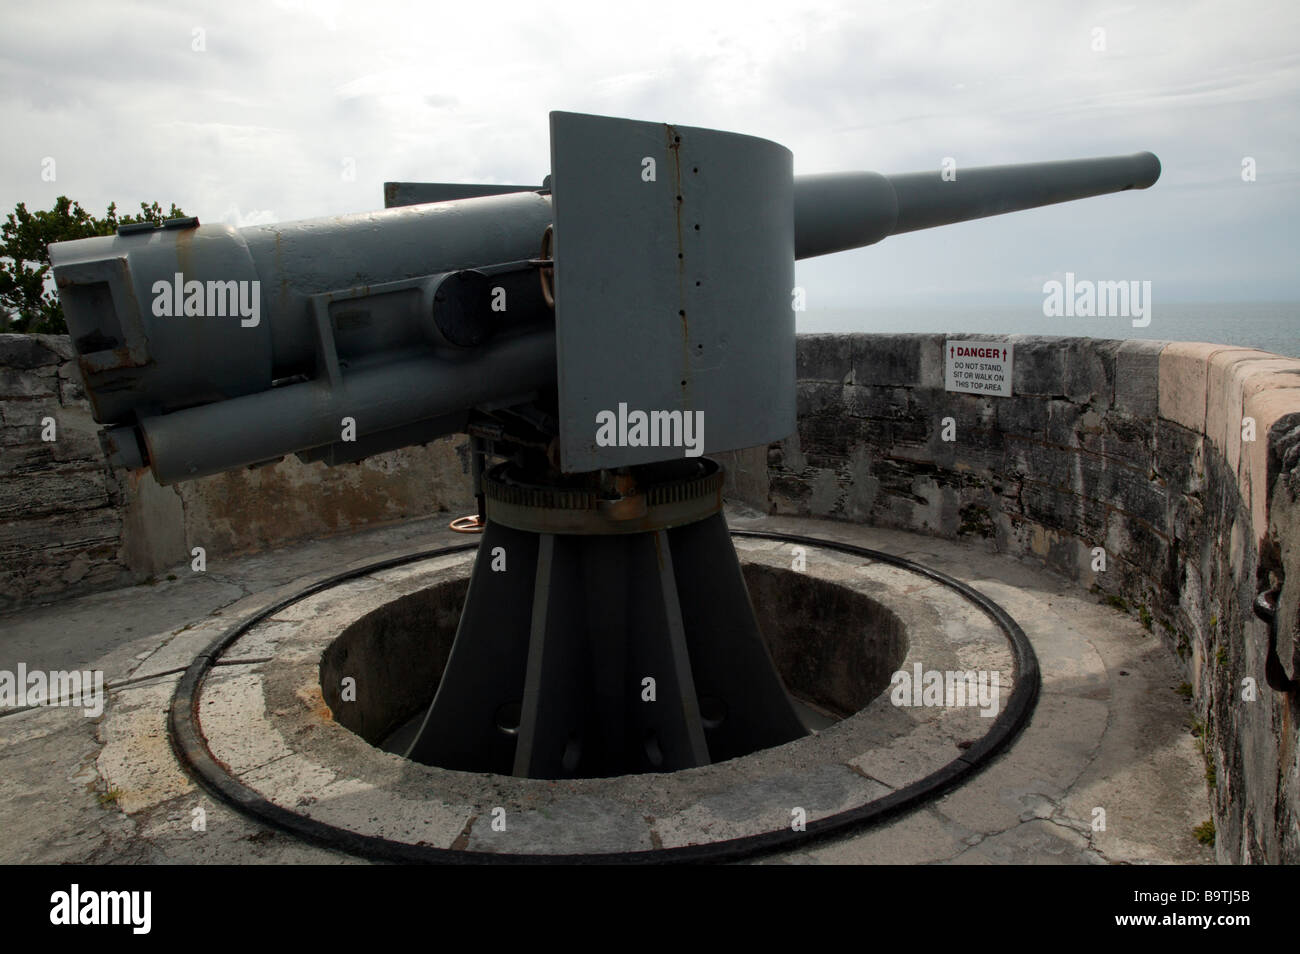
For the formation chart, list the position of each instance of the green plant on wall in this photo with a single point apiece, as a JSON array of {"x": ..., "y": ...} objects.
[
  {"x": 28, "y": 305},
  {"x": 1204, "y": 833}
]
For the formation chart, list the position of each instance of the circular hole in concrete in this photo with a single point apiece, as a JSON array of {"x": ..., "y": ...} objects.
[
  {"x": 753, "y": 792},
  {"x": 835, "y": 649}
]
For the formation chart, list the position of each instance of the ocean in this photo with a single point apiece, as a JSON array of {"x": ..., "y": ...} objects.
[{"x": 1268, "y": 326}]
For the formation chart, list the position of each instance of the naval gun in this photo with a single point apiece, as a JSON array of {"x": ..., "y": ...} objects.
[{"x": 596, "y": 336}]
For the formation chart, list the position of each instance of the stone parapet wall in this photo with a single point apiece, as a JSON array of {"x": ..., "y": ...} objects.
[
  {"x": 1129, "y": 450},
  {"x": 70, "y": 524},
  {"x": 1133, "y": 450},
  {"x": 60, "y": 507}
]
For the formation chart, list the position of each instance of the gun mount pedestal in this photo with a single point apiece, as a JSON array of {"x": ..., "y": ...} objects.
[{"x": 607, "y": 631}]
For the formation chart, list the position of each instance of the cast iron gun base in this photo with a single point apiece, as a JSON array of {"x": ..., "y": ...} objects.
[{"x": 605, "y": 634}]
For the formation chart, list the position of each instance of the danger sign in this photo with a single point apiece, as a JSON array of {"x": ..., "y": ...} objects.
[{"x": 978, "y": 367}]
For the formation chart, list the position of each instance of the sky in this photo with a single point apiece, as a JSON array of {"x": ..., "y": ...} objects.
[{"x": 252, "y": 113}]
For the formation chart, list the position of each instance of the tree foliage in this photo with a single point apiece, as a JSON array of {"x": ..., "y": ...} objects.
[{"x": 27, "y": 302}]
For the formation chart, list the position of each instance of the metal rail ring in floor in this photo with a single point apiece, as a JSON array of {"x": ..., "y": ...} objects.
[{"x": 191, "y": 748}]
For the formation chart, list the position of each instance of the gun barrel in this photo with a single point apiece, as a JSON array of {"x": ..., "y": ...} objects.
[
  {"x": 843, "y": 210},
  {"x": 390, "y": 319}
]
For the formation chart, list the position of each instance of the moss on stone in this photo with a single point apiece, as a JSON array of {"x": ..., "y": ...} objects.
[
  {"x": 1204, "y": 832},
  {"x": 977, "y": 520}
]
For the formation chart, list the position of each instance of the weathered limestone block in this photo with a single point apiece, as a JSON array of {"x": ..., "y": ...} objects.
[
  {"x": 18, "y": 384},
  {"x": 1078, "y": 369},
  {"x": 891, "y": 360},
  {"x": 1137, "y": 378},
  {"x": 1271, "y": 410},
  {"x": 1126, "y": 440},
  {"x": 40, "y": 493},
  {"x": 1080, "y": 516},
  {"x": 1225, "y": 396},
  {"x": 1018, "y": 414},
  {"x": 1180, "y": 457},
  {"x": 1184, "y": 377},
  {"x": 824, "y": 358},
  {"x": 28, "y": 352}
]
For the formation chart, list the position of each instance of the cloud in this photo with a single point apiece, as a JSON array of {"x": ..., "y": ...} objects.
[
  {"x": 308, "y": 108},
  {"x": 233, "y": 216}
]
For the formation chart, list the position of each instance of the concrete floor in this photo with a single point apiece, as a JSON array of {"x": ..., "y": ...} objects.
[{"x": 1110, "y": 732}]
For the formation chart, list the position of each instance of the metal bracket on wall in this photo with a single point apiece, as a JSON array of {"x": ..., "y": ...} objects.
[{"x": 1274, "y": 674}]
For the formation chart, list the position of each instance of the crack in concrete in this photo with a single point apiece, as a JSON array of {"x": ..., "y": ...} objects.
[
  {"x": 980, "y": 837},
  {"x": 870, "y": 778}
]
